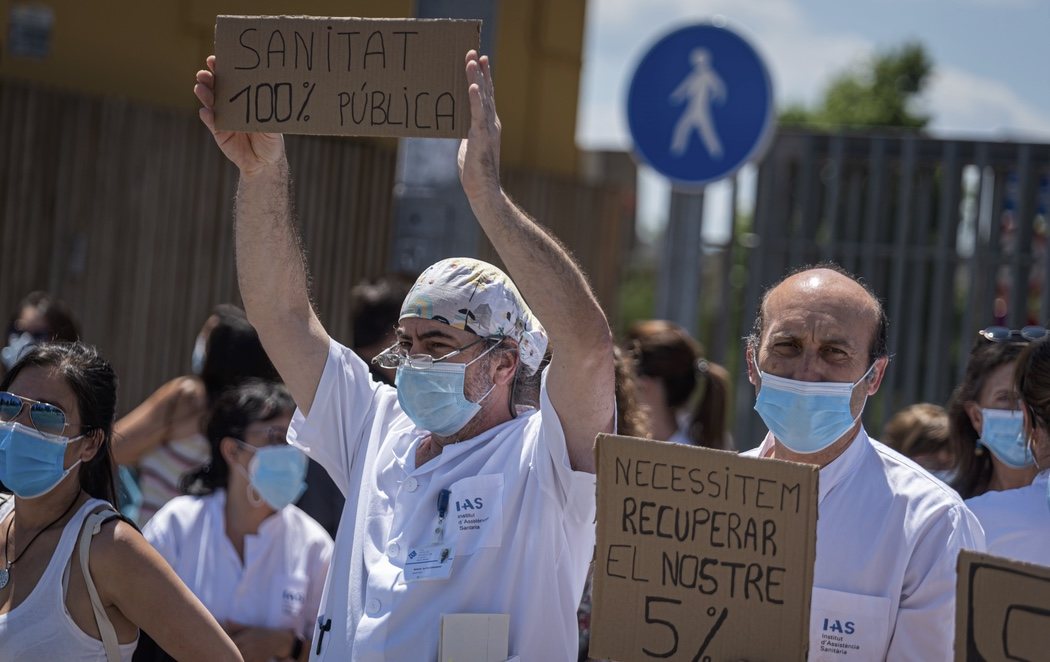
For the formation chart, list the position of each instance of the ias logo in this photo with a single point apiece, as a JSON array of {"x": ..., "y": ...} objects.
[
  {"x": 477, "y": 503},
  {"x": 839, "y": 627},
  {"x": 292, "y": 601}
]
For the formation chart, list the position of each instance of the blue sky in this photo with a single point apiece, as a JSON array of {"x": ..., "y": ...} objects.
[{"x": 991, "y": 60}]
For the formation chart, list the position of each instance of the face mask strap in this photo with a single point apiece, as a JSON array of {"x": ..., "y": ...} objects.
[
  {"x": 254, "y": 497},
  {"x": 478, "y": 357},
  {"x": 866, "y": 375}
]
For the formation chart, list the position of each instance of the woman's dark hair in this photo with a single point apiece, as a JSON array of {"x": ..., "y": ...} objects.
[
  {"x": 94, "y": 384},
  {"x": 664, "y": 350},
  {"x": 60, "y": 323},
  {"x": 973, "y": 464},
  {"x": 1032, "y": 377},
  {"x": 234, "y": 354},
  {"x": 375, "y": 307},
  {"x": 236, "y": 409}
]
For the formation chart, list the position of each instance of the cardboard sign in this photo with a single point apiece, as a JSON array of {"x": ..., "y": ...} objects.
[
  {"x": 1002, "y": 609},
  {"x": 343, "y": 76},
  {"x": 701, "y": 554}
]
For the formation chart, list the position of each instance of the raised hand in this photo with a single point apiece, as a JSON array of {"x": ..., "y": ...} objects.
[
  {"x": 479, "y": 152},
  {"x": 251, "y": 152}
]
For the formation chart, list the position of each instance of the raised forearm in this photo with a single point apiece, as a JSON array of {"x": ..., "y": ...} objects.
[
  {"x": 544, "y": 272},
  {"x": 271, "y": 271},
  {"x": 274, "y": 282}
]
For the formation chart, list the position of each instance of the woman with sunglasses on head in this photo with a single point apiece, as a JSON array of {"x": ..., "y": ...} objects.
[
  {"x": 985, "y": 422},
  {"x": 56, "y": 414},
  {"x": 257, "y": 562},
  {"x": 1017, "y": 522}
]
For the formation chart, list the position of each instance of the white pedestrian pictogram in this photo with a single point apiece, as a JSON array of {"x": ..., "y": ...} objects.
[{"x": 701, "y": 87}]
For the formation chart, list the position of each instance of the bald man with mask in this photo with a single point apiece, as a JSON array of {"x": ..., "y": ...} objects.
[{"x": 888, "y": 533}]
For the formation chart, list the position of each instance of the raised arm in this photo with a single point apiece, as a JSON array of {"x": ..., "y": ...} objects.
[
  {"x": 580, "y": 381},
  {"x": 158, "y": 419},
  {"x": 271, "y": 268}
]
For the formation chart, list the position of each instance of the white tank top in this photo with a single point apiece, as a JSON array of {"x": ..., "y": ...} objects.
[{"x": 41, "y": 628}]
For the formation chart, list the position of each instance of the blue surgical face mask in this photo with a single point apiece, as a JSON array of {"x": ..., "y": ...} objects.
[
  {"x": 277, "y": 474},
  {"x": 806, "y": 417},
  {"x": 433, "y": 397},
  {"x": 31, "y": 462},
  {"x": 1002, "y": 432}
]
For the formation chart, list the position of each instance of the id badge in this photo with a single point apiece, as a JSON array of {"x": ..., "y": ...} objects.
[
  {"x": 848, "y": 626},
  {"x": 429, "y": 562}
]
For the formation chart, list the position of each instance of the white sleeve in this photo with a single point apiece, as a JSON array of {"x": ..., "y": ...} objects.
[
  {"x": 160, "y": 532},
  {"x": 318, "y": 574},
  {"x": 342, "y": 414},
  {"x": 573, "y": 490},
  {"x": 925, "y": 627}
]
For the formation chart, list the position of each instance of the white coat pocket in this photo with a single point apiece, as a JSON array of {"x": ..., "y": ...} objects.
[
  {"x": 848, "y": 626},
  {"x": 475, "y": 513},
  {"x": 291, "y": 602}
]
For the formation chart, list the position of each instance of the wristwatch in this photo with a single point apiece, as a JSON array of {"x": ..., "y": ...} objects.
[{"x": 297, "y": 647}]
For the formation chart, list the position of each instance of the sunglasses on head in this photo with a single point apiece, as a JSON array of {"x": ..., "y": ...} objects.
[
  {"x": 1005, "y": 334},
  {"x": 45, "y": 417}
]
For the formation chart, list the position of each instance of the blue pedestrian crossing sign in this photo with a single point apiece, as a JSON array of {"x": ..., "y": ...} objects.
[{"x": 700, "y": 105}]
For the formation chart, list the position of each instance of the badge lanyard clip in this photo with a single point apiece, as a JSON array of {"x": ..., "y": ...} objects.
[{"x": 442, "y": 504}]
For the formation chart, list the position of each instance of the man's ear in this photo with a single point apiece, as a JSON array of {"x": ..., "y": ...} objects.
[
  {"x": 877, "y": 373},
  {"x": 751, "y": 359},
  {"x": 506, "y": 365}
]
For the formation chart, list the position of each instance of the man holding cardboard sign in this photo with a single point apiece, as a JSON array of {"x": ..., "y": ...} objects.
[
  {"x": 457, "y": 500},
  {"x": 888, "y": 533}
]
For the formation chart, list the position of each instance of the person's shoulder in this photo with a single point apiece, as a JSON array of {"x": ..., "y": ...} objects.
[
  {"x": 1004, "y": 503},
  {"x": 910, "y": 481},
  {"x": 117, "y": 546},
  {"x": 182, "y": 509},
  {"x": 344, "y": 365},
  {"x": 303, "y": 529}
]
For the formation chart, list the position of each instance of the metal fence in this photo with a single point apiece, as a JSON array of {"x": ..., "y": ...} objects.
[
  {"x": 950, "y": 233},
  {"x": 125, "y": 212}
]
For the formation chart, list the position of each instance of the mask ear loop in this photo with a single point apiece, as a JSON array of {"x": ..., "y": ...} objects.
[
  {"x": 493, "y": 387},
  {"x": 1030, "y": 441},
  {"x": 254, "y": 497}
]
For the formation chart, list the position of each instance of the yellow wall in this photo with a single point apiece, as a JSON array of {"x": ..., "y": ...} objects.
[{"x": 148, "y": 50}]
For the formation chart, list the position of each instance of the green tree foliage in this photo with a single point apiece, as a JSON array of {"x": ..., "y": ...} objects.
[{"x": 879, "y": 93}]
